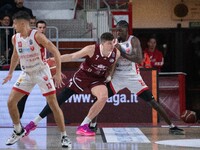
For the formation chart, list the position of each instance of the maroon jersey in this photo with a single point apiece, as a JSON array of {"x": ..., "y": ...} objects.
[
  {"x": 97, "y": 65},
  {"x": 92, "y": 71}
]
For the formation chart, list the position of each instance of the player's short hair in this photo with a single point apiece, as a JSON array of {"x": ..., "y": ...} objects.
[
  {"x": 40, "y": 21},
  {"x": 123, "y": 23},
  {"x": 22, "y": 15},
  {"x": 107, "y": 36}
]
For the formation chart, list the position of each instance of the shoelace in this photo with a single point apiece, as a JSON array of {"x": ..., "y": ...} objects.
[{"x": 13, "y": 135}]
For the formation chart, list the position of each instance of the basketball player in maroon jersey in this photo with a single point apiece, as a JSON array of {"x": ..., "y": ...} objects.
[{"x": 91, "y": 74}]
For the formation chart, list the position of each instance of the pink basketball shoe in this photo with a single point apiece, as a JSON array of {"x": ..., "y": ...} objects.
[
  {"x": 85, "y": 130},
  {"x": 30, "y": 127}
]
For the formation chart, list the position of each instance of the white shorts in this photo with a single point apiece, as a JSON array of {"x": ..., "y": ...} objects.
[
  {"x": 134, "y": 83},
  {"x": 43, "y": 78}
]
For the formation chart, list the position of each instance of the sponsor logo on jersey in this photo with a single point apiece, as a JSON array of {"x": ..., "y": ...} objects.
[
  {"x": 32, "y": 48},
  {"x": 31, "y": 42},
  {"x": 17, "y": 84},
  {"x": 20, "y": 44},
  {"x": 101, "y": 66},
  {"x": 128, "y": 50},
  {"x": 111, "y": 60},
  {"x": 45, "y": 78},
  {"x": 20, "y": 50}
]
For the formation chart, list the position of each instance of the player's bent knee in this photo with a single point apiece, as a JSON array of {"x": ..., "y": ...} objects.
[{"x": 11, "y": 102}]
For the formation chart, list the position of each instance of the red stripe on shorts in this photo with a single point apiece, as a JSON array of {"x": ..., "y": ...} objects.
[
  {"x": 49, "y": 93},
  {"x": 21, "y": 91}
]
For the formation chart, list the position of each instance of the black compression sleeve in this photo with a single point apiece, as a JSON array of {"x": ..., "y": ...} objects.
[{"x": 62, "y": 97}]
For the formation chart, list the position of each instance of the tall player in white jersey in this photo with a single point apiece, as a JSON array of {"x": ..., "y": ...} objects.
[
  {"x": 29, "y": 48},
  {"x": 127, "y": 73}
]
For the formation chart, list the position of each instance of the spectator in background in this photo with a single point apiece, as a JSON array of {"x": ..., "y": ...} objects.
[
  {"x": 5, "y": 39},
  {"x": 146, "y": 62},
  {"x": 41, "y": 26},
  {"x": 156, "y": 57},
  {"x": 19, "y": 6},
  {"x": 33, "y": 21},
  {"x": 6, "y": 6}
]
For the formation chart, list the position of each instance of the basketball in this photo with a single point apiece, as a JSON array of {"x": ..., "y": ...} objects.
[
  {"x": 189, "y": 116},
  {"x": 52, "y": 66}
]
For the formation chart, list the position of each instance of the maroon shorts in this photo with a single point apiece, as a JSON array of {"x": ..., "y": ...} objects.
[{"x": 82, "y": 80}]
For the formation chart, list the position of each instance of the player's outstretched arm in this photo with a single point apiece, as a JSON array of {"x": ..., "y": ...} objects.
[{"x": 86, "y": 51}]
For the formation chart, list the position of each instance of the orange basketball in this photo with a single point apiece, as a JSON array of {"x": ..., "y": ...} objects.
[
  {"x": 189, "y": 116},
  {"x": 52, "y": 66}
]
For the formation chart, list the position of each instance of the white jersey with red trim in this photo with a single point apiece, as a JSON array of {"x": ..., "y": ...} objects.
[
  {"x": 32, "y": 56},
  {"x": 127, "y": 73},
  {"x": 125, "y": 66}
]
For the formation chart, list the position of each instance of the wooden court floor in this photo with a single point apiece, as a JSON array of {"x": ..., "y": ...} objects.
[{"x": 108, "y": 138}]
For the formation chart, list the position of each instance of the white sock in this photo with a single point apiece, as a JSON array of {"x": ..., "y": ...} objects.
[
  {"x": 63, "y": 134},
  {"x": 86, "y": 121},
  {"x": 18, "y": 128},
  {"x": 172, "y": 125},
  {"x": 93, "y": 124},
  {"x": 37, "y": 120}
]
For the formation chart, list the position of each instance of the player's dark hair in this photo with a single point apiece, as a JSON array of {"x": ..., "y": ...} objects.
[
  {"x": 21, "y": 15},
  {"x": 40, "y": 21},
  {"x": 107, "y": 36},
  {"x": 123, "y": 23}
]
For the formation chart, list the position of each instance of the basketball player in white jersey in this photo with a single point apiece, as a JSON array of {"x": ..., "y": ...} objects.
[
  {"x": 29, "y": 48},
  {"x": 127, "y": 73},
  {"x": 40, "y": 27}
]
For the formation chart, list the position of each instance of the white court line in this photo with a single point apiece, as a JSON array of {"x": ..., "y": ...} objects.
[
  {"x": 182, "y": 143},
  {"x": 182, "y": 126},
  {"x": 124, "y": 135}
]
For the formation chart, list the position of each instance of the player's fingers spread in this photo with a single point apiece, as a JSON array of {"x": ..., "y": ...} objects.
[
  {"x": 4, "y": 81},
  {"x": 59, "y": 85},
  {"x": 56, "y": 84}
]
